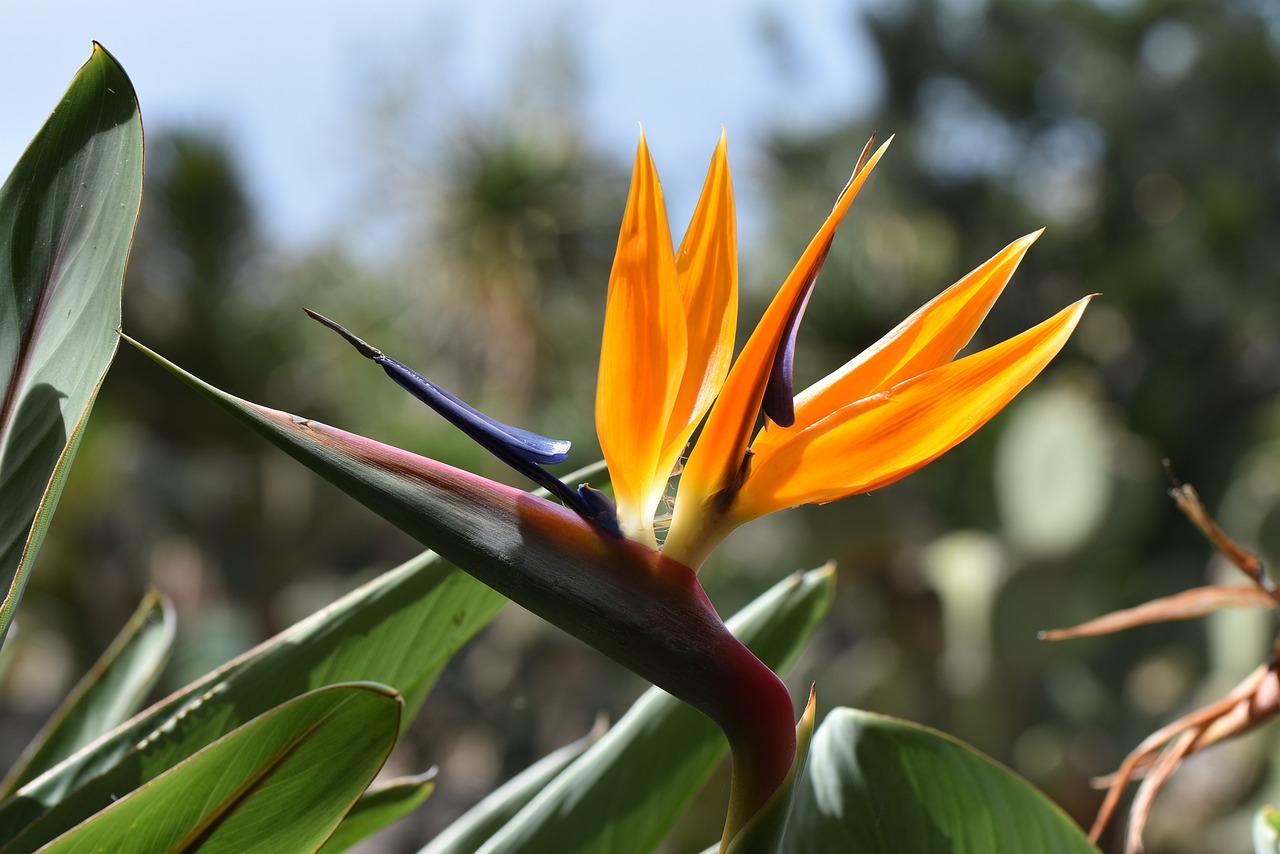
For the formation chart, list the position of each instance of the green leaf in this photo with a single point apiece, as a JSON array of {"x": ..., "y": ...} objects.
[
  {"x": 1266, "y": 831},
  {"x": 481, "y": 821},
  {"x": 399, "y": 630},
  {"x": 108, "y": 694},
  {"x": 877, "y": 784},
  {"x": 67, "y": 214},
  {"x": 380, "y": 805},
  {"x": 627, "y": 790},
  {"x": 281, "y": 782}
]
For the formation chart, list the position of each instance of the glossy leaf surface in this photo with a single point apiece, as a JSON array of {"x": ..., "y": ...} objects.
[
  {"x": 281, "y": 782},
  {"x": 381, "y": 804},
  {"x": 480, "y": 822},
  {"x": 67, "y": 214},
  {"x": 878, "y": 784},
  {"x": 399, "y": 630}
]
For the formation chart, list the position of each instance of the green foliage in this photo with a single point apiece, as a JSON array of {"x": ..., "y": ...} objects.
[
  {"x": 877, "y": 784},
  {"x": 278, "y": 783},
  {"x": 486, "y": 818},
  {"x": 399, "y": 630},
  {"x": 627, "y": 790},
  {"x": 1159, "y": 191},
  {"x": 1107, "y": 123},
  {"x": 108, "y": 694},
  {"x": 380, "y": 805},
  {"x": 67, "y": 214}
]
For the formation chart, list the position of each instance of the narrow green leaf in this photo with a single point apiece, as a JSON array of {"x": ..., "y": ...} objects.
[
  {"x": 380, "y": 805},
  {"x": 399, "y": 630},
  {"x": 627, "y": 790},
  {"x": 281, "y": 782},
  {"x": 498, "y": 807},
  {"x": 108, "y": 694},
  {"x": 67, "y": 214},
  {"x": 877, "y": 784}
]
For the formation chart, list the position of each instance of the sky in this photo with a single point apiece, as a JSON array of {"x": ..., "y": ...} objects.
[{"x": 282, "y": 85}]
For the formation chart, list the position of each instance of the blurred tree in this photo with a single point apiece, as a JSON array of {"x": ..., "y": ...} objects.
[
  {"x": 1144, "y": 135},
  {"x": 196, "y": 242},
  {"x": 1111, "y": 124}
]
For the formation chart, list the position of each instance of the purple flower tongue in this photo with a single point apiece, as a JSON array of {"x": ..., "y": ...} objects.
[
  {"x": 485, "y": 430},
  {"x": 523, "y": 450},
  {"x": 779, "y": 403}
]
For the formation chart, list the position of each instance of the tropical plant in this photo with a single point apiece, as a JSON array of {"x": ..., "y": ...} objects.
[{"x": 277, "y": 750}]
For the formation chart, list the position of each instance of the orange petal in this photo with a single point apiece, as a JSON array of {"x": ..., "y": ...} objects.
[
  {"x": 643, "y": 354},
  {"x": 718, "y": 456},
  {"x": 930, "y": 337},
  {"x": 707, "y": 273},
  {"x": 872, "y": 442}
]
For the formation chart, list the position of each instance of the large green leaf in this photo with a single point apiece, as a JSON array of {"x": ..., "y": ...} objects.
[
  {"x": 381, "y": 804},
  {"x": 67, "y": 214},
  {"x": 877, "y": 784},
  {"x": 281, "y": 782},
  {"x": 108, "y": 694},
  {"x": 626, "y": 791},
  {"x": 399, "y": 630}
]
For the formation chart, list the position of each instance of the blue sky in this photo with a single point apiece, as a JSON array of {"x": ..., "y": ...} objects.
[{"x": 282, "y": 84}]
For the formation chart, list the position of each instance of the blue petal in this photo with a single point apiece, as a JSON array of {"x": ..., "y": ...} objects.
[
  {"x": 485, "y": 430},
  {"x": 523, "y": 450},
  {"x": 529, "y": 445},
  {"x": 599, "y": 508}
]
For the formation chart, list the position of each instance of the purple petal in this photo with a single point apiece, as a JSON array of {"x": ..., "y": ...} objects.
[
  {"x": 779, "y": 392},
  {"x": 523, "y": 450}
]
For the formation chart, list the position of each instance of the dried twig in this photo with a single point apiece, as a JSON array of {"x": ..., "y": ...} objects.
[
  {"x": 1192, "y": 507},
  {"x": 1186, "y": 605},
  {"x": 1251, "y": 703}
]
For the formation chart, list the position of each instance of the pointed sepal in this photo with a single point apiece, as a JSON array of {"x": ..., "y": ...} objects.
[{"x": 643, "y": 353}]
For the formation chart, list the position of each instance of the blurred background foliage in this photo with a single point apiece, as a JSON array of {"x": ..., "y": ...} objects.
[{"x": 1143, "y": 133}]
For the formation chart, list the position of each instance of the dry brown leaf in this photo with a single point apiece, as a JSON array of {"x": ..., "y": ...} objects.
[
  {"x": 1169, "y": 761},
  {"x": 1180, "y": 606},
  {"x": 1188, "y": 501},
  {"x": 1235, "y": 710}
]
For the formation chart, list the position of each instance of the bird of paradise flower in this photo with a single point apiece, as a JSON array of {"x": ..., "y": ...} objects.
[
  {"x": 595, "y": 566},
  {"x": 666, "y": 363}
]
